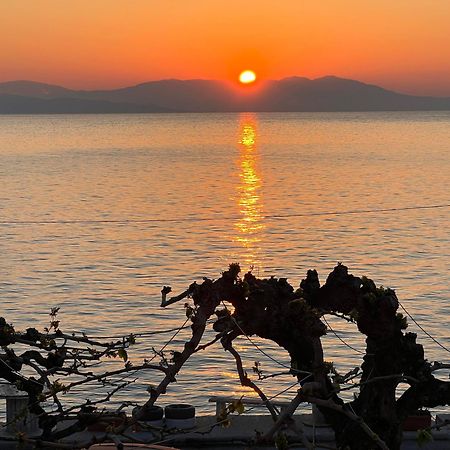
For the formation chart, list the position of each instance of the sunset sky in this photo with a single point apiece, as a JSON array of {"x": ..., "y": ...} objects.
[{"x": 400, "y": 44}]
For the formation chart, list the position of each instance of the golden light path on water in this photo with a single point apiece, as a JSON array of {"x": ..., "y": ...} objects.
[{"x": 249, "y": 201}]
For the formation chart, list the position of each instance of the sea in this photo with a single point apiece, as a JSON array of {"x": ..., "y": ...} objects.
[{"x": 99, "y": 212}]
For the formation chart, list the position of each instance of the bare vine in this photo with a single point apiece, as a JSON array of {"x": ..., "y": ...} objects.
[{"x": 49, "y": 364}]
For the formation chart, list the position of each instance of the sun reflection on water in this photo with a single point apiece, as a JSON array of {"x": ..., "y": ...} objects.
[{"x": 249, "y": 201}]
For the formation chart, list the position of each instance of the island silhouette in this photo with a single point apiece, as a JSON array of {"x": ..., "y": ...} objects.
[{"x": 292, "y": 94}]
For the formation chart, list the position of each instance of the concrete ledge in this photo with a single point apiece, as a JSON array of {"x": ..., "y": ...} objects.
[{"x": 243, "y": 430}]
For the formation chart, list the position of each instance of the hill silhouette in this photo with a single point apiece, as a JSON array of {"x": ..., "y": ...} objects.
[
  {"x": 289, "y": 94},
  {"x": 19, "y": 104}
]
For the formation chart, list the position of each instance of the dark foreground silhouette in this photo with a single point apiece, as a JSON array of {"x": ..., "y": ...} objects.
[{"x": 272, "y": 309}]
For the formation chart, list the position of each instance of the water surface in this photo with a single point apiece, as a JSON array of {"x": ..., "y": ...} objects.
[{"x": 100, "y": 211}]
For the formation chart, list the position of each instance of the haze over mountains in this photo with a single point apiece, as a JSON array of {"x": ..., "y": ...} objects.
[{"x": 289, "y": 94}]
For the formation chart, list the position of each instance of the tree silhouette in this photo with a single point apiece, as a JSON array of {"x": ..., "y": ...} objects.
[{"x": 271, "y": 309}]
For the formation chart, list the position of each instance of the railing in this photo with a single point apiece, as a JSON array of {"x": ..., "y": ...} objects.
[{"x": 222, "y": 402}]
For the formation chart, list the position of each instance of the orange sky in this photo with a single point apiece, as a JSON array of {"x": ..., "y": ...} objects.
[{"x": 399, "y": 44}]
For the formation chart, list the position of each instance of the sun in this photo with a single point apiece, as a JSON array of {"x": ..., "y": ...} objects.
[{"x": 247, "y": 77}]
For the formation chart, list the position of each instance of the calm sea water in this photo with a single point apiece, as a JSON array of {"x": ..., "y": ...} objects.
[{"x": 187, "y": 194}]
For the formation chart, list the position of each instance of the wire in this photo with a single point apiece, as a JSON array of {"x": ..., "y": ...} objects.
[
  {"x": 409, "y": 315},
  {"x": 172, "y": 338},
  {"x": 297, "y": 383},
  {"x": 342, "y": 340},
  {"x": 426, "y": 332},
  {"x": 129, "y": 374},
  {"x": 144, "y": 333},
  {"x": 207, "y": 219},
  {"x": 262, "y": 351}
]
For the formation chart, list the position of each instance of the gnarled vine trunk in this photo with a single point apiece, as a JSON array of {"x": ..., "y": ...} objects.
[{"x": 292, "y": 318}]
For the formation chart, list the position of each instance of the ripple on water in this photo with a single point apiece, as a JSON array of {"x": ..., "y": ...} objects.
[{"x": 255, "y": 179}]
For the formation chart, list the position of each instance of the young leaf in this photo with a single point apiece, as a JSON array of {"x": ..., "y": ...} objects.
[
  {"x": 239, "y": 407},
  {"x": 122, "y": 353},
  {"x": 423, "y": 437}
]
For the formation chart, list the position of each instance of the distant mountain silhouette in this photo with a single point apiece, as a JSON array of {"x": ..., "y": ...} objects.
[
  {"x": 33, "y": 89},
  {"x": 289, "y": 94},
  {"x": 19, "y": 104}
]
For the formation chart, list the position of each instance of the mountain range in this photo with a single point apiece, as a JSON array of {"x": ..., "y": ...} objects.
[{"x": 289, "y": 94}]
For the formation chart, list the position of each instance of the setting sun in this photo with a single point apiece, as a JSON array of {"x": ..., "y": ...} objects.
[{"x": 247, "y": 76}]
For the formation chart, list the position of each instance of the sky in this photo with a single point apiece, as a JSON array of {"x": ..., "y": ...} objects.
[{"x": 402, "y": 45}]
